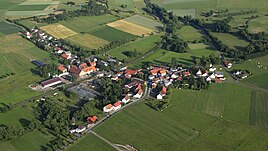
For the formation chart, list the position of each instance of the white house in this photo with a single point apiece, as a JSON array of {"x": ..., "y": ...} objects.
[
  {"x": 80, "y": 129},
  {"x": 117, "y": 105},
  {"x": 208, "y": 79},
  {"x": 199, "y": 73},
  {"x": 126, "y": 99},
  {"x": 212, "y": 69},
  {"x": 139, "y": 94},
  {"x": 108, "y": 108}
]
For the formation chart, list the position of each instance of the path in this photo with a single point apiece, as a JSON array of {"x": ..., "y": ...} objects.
[{"x": 105, "y": 140}]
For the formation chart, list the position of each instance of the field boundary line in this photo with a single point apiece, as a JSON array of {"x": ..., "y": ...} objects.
[{"x": 9, "y": 64}]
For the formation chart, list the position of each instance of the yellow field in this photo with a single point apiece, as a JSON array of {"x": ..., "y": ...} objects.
[
  {"x": 130, "y": 28},
  {"x": 58, "y": 31},
  {"x": 88, "y": 40}
]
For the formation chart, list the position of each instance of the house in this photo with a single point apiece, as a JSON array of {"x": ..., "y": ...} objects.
[
  {"x": 154, "y": 85},
  {"x": 163, "y": 72},
  {"x": 139, "y": 94},
  {"x": 227, "y": 64},
  {"x": 83, "y": 66},
  {"x": 58, "y": 50},
  {"x": 51, "y": 82},
  {"x": 186, "y": 73},
  {"x": 75, "y": 71},
  {"x": 151, "y": 77},
  {"x": 91, "y": 120},
  {"x": 162, "y": 93},
  {"x": 115, "y": 78},
  {"x": 126, "y": 99},
  {"x": 108, "y": 108},
  {"x": 80, "y": 129},
  {"x": 199, "y": 73},
  {"x": 62, "y": 68},
  {"x": 212, "y": 76},
  {"x": 205, "y": 74},
  {"x": 93, "y": 64},
  {"x": 130, "y": 73},
  {"x": 217, "y": 80},
  {"x": 132, "y": 84},
  {"x": 208, "y": 79},
  {"x": 65, "y": 56},
  {"x": 117, "y": 105},
  {"x": 212, "y": 69},
  {"x": 219, "y": 74}
]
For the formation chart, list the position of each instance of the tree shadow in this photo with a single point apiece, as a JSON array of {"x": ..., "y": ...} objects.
[{"x": 24, "y": 122}]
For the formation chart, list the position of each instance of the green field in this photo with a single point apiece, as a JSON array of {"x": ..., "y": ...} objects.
[
  {"x": 190, "y": 114},
  {"x": 143, "y": 21},
  {"x": 6, "y": 29},
  {"x": 142, "y": 45},
  {"x": 183, "y": 12},
  {"x": 110, "y": 34},
  {"x": 16, "y": 55},
  {"x": 231, "y": 40},
  {"x": 87, "y": 23},
  {"x": 16, "y": 117},
  {"x": 259, "y": 25},
  {"x": 29, "y": 7},
  {"x": 189, "y": 33},
  {"x": 91, "y": 142}
]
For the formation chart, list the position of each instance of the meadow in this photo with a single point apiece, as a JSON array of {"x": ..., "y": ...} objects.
[
  {"x": 6, "y": 29},
  {"x": 142, "y": 45},
  {"x": 91, "y": 142},
  {"x": 189, "y": 33},
  {"x": 217, "y": 117},
  {"x": 88, "y": 41},
  {"x": 110, "y": 34},
  {"x": 29, "y": 7},
  {"x": 258, "y": 25},
  {"x": 143, "y": 21},
  {"x": 231, "y": 40}
]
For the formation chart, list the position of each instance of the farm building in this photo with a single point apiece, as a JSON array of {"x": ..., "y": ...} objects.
[
  {"x": 117, "y": 105},
  {"x": 38, "y": 63},
  {"x": 108, "y": 108},
  {"x": 91, "y": 120},
  {"x": 51, "y": 82}
]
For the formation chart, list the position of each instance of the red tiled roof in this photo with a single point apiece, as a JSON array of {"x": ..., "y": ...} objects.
[
  {"x": 65, "y": 56},
  {"x": 89, "y": 69},
  {"x": 117, "y": 103},
  {"x": 75, "y": 69},
  {"x": 131, "y": 72},
  {"x": 93, "y": 64},
  {"x": 164, "y": 90},
  {"x": 140, "y": 91},
  {"x": 108, "y": 106},
  {"x": 92, "y": 119},
  {"x": 162, "y": 71},
  {"x": 61, "y": 68},
  {"x": 53, "y": 80},
  {"x": 83, "y": 65}
]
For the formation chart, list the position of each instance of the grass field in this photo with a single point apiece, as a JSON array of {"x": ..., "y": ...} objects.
[
  {"x": 6, "y": 29},
  {"x": 58, "y": 31},
  {"x": 189, "y": 33},
  {"x": 87, "y": 23},
  {"x": 183, "y": 12},
  {"x": 16, "y": 55},
  {"x": 202, "y": 49},
  {"x": 29, "y": 7},
  {"x": 231, "y": 40},
  {"x": 191, "y": 113},
  {"x": 91, "y": 142},
  {"x": 144, "y": 22},
  {"x": 110, "y": 34},
  {"x": 16, "y": 117},
  {"x": 142, "y": 45},
  {"x": 259, "y": 25},
  {"x": 130, "y": 28},
  {"x": 88, "y": 40}
]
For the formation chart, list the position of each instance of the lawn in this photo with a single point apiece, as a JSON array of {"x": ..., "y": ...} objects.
[
  {"x": 189, "y": 33},
  {"x": 91, "y": 142},
  {"x": 87, "y": 23},
  {"x": 143, "y": 21},
  {"x": 88, "y": 41},
  {"x": 30, "y": 7},
  {"x": 110, "y": 34},
  {"x": 17, "y": 117},
  {"x": 142, "y": 45}
]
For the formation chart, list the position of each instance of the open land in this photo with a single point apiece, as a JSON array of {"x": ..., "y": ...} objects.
[
  {"x": 58, "y": 31},
  {"x": 143, "y": 21},
  {"x": 88, "y": 40}
]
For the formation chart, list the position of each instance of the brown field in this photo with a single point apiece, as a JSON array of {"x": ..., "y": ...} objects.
[
  {"x": 88, "y": 40},
  {"x": 58, "y": 31},
  {"x": 130, "y": 28}
]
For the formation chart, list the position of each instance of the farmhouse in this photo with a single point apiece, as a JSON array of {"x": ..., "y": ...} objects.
[
  {"x": 51, "y": 82},
  {"x": 227, "y": 64},
  {"x": 126, "y": 99},
  {"x": 139, "y": 94},
  {"x": 162, "y": 93},
  {"x": 62, "y": 68},
  {"x": 91, "y": 120},
  {"x": 117, "y": 105},
  {"x": 80, "y": 129},
  {"x": 108, "y": 108}
]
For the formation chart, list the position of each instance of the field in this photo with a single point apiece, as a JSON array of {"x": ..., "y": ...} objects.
[
  {"x": 87, "y": 23},
  {"x": 134, "y": 5},
  {"x": 90, "y": 142},
  {"x": 142, "y": 45},
  {"x": 29, "y": 7},
  {"x": 192, "y": 121},
  {"x": 17, "y": 117},
  {"x": 6, "y": 29},
  {"x": 31, "y": 141},
  {"x": 58, "y": 31},
  {"x": 189, "y": 33},
  {"x": 143, "y": 21},
  {"x": 130, "y": 28},
  {"x": 259, "y": 25},
  {"x": 231, "y": 40},
  {"x": 16, "y": 55},
  {"x": 88, "y": 40},
  {"x": 110, "y": 34},
  {"x": 183, "y": 12}
]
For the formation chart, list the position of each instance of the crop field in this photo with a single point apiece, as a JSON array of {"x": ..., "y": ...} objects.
[
  {"x": 130, "y": 28},
  {"x": 40, "y": 2},
  {"x": 17, "y": 117},
  {"x": 58, "y": 31},
  {"x": 88, "y": 40},
  {"x": 183, "y": 12},
  {"x": 29, "y": 7},
  {"x": 189, "y": 33},
  {"x": 142, "y": 45},
  {"x": 259, "y": 109},
  {"x": 16, "y": 55},
  {"x": 87, "y": 23},
  {"x": 259, "y": 25},
  {"x": 143, "y": 21},
  {"x": 191, "y": 113},
  {"x": 232, "y": 41},
  {"x": 6, "y": 29},
  {"x": 110, "y": 34},
  {"x": 91, "y": 142}
]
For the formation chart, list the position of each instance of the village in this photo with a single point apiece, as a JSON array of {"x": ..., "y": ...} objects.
[{"x": 156, "y": 79}]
